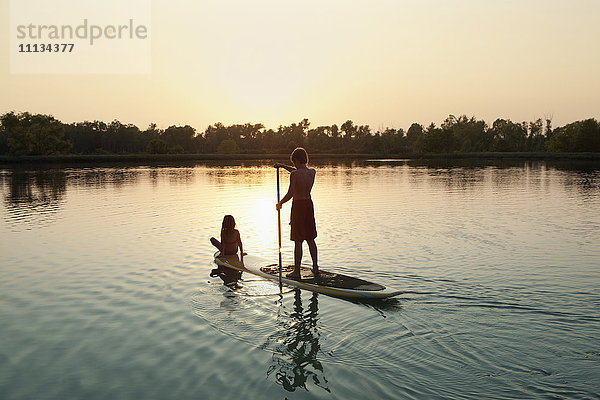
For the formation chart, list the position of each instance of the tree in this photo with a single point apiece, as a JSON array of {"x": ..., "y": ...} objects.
[
  {"x": 319, "y": 138},
  {"x": 588, "y": 136},
  {"x": 469, "y": 134},
  {"x": 227, "y": 146},
  {"x": 335, "y": 132},
  {"x": 27, "y": 134},
  {"x": 435, "y": 140},
  {"x": 157, "y": 146},
  {"x": 294, "y": 135},
  {"x": 249, "y": 135},
  {"x": 36, "y": 134},
  {"x": 348, "y": 129},
  {"x": 536, "y": 141},
  {"x": 509, "y": 136},
  {"x": 4, "y": 148},
  {"x": 548, "y": 131},
  {"x": 182, "y": 136},
  {"x": 391, "y": 141},
  {"x": 580, "y": 136},
  {"x": 414, "y": 133},
  {"x": 86, "y": 137}
]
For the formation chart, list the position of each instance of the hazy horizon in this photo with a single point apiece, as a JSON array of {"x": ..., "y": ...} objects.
[{"x": 383, "y": 64}]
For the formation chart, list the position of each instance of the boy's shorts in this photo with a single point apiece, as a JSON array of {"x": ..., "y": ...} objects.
[{"x": 302, "y": 220}]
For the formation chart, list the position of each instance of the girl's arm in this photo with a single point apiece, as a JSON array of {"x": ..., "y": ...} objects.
[{"x": 239, "y": 238}]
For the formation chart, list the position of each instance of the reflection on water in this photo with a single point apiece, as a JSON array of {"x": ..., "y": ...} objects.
[
  {"x": 118, "y": 258},
  {"x": 296, "y": 347},
  {"x": 34, "y": 196}
]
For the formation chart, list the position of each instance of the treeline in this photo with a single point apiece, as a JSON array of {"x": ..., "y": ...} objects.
[{"x": 38, "y": 134}]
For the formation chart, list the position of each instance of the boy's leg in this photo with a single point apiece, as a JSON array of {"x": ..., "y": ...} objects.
[
  {"x": 297, "y": 260},
  {"x": 297, "y": 256},
  {"x": 312, "y": 247}
]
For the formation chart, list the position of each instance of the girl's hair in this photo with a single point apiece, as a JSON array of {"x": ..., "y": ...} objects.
[
  {"x": 228, "y": 223},
  {"x": 299, "y": 155}
]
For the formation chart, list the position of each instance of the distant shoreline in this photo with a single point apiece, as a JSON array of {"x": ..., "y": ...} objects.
[
  {"x": 134, "y": 158},
  {"x": 139, "y": 158}
]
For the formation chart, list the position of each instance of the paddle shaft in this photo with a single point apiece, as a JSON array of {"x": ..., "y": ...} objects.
[{"x": 279, "y": 232}]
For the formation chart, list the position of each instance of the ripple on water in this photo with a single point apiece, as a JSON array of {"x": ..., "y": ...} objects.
[
  {"x": 104, "y": 288},
  {"x": 250, "y": 313},
  {"x": 246, "y": 313}
]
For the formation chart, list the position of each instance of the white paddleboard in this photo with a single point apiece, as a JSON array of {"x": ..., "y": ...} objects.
[{"x": 328, "y": 283}]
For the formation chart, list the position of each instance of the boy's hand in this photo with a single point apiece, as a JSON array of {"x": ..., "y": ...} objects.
[{"x": 278, "y": 206}]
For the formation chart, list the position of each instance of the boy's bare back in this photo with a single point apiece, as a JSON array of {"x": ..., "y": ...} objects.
[{"x": 301, "y": 182}]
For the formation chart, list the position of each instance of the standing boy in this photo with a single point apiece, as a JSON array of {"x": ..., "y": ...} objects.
[{"x": 302, "y": 220}]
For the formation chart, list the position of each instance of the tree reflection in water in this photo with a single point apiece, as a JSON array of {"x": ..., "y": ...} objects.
[
  {"x": 33, "y": 197},
  {"x": 296, "y": 346}
]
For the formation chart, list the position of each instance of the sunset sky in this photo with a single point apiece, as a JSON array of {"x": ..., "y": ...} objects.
[{"x": 385, "y": 63}]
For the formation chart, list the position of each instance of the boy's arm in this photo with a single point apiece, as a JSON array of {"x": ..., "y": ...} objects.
[
  {"x": 288, "y": 168},
  {"x": 290, "y": 192}
]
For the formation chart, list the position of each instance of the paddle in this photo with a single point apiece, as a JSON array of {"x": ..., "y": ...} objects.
[{"x": 279, "y": 231}]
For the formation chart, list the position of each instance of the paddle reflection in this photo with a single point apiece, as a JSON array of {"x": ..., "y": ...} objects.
[{"x": 296, "y": 347}]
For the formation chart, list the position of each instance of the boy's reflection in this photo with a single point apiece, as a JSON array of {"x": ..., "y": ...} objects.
[{"x": 296, "y": 346}]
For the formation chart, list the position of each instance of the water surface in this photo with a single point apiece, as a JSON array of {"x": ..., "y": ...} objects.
[{"x": 105, "y": 289}]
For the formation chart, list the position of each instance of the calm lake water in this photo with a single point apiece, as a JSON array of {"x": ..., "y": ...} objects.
[{"x": 105, "y": 290}]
